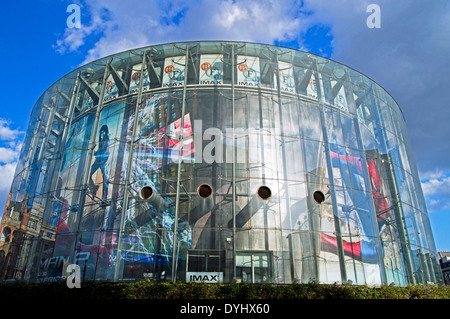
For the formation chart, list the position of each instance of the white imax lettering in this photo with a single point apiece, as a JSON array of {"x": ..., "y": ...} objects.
[{"x": 207, "y": 277}]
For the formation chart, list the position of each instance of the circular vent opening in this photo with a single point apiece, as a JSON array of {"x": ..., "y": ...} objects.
[
  {"x": 319, "y": 197},
  {"x": 204, "y": 191},
  {"x": 146, "y": 192},
  {"x": 264, "y": 192}
]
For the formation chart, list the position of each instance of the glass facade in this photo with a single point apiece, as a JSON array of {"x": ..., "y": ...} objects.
[{"x": 217, "y": 161}]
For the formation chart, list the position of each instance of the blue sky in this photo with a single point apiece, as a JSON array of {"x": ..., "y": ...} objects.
[{"x": 408, "y": 56}]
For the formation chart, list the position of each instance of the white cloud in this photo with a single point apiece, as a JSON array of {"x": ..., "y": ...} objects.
[
  {"x": 11, "y": 145},
  {"x": 6, "y": 176},
  {"x": 408, "y": 56},
  {"x": 125, "y": 25},
  {"x": 7, "y": 155},
  {"x": 6, "y": 133},
  {"x": 436, "y": 189}
]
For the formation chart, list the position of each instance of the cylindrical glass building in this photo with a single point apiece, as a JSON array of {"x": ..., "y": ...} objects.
[{"x": 217, "y": 162}]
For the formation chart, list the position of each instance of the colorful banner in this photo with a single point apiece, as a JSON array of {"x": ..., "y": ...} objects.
[
  {"x": 311, "y": 90},
  {"x": 248, "y": 71},
  {"x": 211, "y": 69},
  {"x": 111, "y": 89},
  {"x": 173, "y": 75},
  {"x": 135, "y": 79},
  {"x": 286, "y": 73}
]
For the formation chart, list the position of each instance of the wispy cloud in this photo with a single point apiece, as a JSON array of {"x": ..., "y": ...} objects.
[
  {"x": 436, "y": 189},
  {"x": 124, "y": 25},
  {"x": 6, "y": 132},
  {"x": 10, "y": 145}
]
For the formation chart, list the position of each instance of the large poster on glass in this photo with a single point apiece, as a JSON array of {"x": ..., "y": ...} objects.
[
  {"x": 286, "y": 74},
  {"x": 159, "y": 129},
  {"x": 61, "y": 222},
  {"x": 248, "y": 71},
  {"x": 148, "y": 245},
  {"x": 211, "y": 69},
  {"x": 111, "y": 89},
  {"x": 105, "y": 186},
  {"x": 311, "y": 90},
  {"x": 174, "y": 72},
  {"x": 136, "y": 77}
]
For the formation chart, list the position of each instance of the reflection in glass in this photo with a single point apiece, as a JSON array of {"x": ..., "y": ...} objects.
[{"x": 289, "y": 168}]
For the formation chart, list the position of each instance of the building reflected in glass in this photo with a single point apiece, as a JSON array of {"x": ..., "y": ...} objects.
[{"x": 217, "y": 161}]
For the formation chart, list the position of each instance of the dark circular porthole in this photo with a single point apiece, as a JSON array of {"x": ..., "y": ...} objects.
[
  {"x": 264, "y": 192},
  {"x": 319, "y": 197},
  {"x": 204, "y": 191},
  {"x": 146, "y": 192}
]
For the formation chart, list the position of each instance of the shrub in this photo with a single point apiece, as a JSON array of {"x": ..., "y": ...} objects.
[{"x": 166, "y": 290}]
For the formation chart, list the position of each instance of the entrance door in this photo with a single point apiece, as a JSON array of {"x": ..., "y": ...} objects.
[{"x": 254, "y": 266}]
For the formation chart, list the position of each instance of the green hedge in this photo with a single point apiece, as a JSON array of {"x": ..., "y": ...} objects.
[{"x": 167, "y": 290}]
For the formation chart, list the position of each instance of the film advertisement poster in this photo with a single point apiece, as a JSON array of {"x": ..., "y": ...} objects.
[
  {"x": 211, "y": 69},
  {"x": 102, "y": 205},
  {"x": 160, "y": 143},
  {"x": 145, "y": 153},
  {"x": 174, "y": 70},
  {"x": 173, "y": 133},
  {"x": 385, "y": 217},
  {"x": 64, "y": 210},
  {"x": 111, "y": 89},
  {"x": 71, "y": 173},
  {"x": 248, "y": 71},
  {"x": 135, "y": 79},
  {"x": 286, "y": 73},
  {"x": 106, "y": 154},
  {"x": 147, "y": 250},
  {"x": 311, "y": 90}
]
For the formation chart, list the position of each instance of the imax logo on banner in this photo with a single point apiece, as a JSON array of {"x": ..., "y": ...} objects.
[{"x": 206, "y": 277}]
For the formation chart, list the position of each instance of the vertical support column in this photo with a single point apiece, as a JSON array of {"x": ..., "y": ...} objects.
[
  {"x": 366, "y": 181},
  {"x": 126, "y": 196},
  {"x": 285, "y": 177},
  {"x": 87, "y": 169},
  {"x": 178, "y": 189},
  {"x": 400, "y": 219},
  {"x": 340, "y": 247},
  {"x": 31, "y": 261},
  {"x": 233, "y": 163},
  {"x": 70, "y": 111}
]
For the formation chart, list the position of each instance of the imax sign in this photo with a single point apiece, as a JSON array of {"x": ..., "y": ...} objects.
[{"x": 207, "y": 277}]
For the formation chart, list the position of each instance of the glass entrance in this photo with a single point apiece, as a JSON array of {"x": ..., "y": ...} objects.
[{"x": 254, "y": 266}]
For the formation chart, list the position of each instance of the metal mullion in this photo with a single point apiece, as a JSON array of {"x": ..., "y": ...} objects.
[
  {"x": 87, "y": 170},
  {"x": 340, "y": 247},
  {"x": 180, "y": 156},
  {"x": 128, "y": 174}
]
